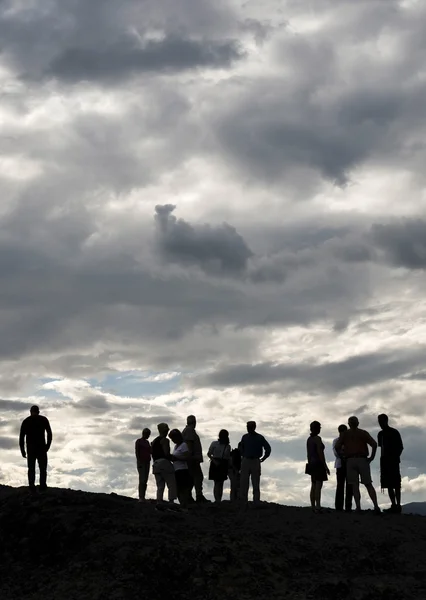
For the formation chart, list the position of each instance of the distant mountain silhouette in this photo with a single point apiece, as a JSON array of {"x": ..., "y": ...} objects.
[
  {"x": 414, "y": 508},
  {"x": 75, "y": 545}
]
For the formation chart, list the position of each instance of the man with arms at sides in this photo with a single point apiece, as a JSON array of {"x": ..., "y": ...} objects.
[
  {"x": 192, "y": 439},
  {"x": 355, "y": 442},
  {"x": 341, "y": 498},
  {"x": 390, "y": 442},
  {"x": 32, "y": 432},
  {"x": 252, "y": 447},
  {"x": 143, "y": 461}
]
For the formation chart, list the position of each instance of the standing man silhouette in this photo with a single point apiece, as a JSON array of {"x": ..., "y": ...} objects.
[
  {"x": 343, "y": 488},
  {"x": 32, "y": 432},
  {"x": 192, "y": 439},
  {"x": 253, "y": 446},
  {"x": 390, "y": 442}
]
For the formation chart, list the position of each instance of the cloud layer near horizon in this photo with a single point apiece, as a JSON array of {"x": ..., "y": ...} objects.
[{"x": 211, "y": 208}]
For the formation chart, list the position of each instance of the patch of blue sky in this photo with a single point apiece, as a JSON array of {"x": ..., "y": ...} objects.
[{"x": 134, "y": 384}]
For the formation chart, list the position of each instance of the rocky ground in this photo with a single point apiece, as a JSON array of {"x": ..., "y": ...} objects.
[{"x": 66, "y": 545}]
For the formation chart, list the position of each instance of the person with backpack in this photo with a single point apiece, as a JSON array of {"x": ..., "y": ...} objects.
[{"x": 143, "y": 461}]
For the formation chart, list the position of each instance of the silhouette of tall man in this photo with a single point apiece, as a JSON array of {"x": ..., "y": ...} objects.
[
  {"x": 33, "y": 430},
  {"x": 192, "y": 439},
  {"x": 390, "y": 442},
  {"x": 253, "y": 446}
]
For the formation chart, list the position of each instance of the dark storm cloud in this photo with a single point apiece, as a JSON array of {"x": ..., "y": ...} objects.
[
  {"x": 403, "y": 242},
  {"x": 356, "y": 371},
  {"x": 120, "y": 60},
  {"x": 15, "y": 405},
  {"x": 218, "y": 248}
]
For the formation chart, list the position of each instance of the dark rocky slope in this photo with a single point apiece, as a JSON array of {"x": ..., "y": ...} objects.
[{"x": 67, "y": 545}]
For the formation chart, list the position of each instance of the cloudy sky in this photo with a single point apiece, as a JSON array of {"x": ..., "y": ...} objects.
[{"x": 214, "y": 208}]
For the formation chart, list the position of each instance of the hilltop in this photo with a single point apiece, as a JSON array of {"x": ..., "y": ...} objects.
[{"x": 74, "y": 545}]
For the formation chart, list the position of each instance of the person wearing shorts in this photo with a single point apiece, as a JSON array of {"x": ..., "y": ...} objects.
[{"x": 356, "y": 441}]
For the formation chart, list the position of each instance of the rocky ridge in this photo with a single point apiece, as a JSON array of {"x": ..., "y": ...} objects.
[{"x": 74, "y": 545}]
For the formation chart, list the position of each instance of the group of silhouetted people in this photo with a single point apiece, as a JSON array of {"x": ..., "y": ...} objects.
[
  {"x": 353, "y": 459},
  {"x": 179, "y": 468}
]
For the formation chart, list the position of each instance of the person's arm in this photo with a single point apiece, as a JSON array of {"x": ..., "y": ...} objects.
[
  {"x": 182, "y": 455},
  {"x": 338, "y": 446},
  {"x": 22, "y": 434},
  {"x": 165, "y": 444},
  {"x": 267, "y": 448},
  {"x": 137, "y": 450},
  {"x": 49, "y": 435},
  {"x": 321, "y": 454},
  {"x": 371, "y": 442},
  {"x": 334, "y": 449},
  {"x": 210, "y": 451},
  {"x": 401, "y": 445}
]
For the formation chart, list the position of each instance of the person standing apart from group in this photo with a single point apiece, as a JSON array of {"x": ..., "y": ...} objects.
[
  {"x": 32, "y": 434},
  {"x": 220, "y": 462},
  {"x": 192, "y": 439},
  {"x": 343, "y": 488},
  {"x": 316, "y": 466},
  {"x": 355, "y": 443},
  {"x": 254, "y": 451},
  {"x": 390, "y": 443},
  {"x": 162, "y": 466}
]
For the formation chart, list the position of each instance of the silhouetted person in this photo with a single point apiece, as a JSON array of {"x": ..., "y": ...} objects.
[
  {"x": 162, "y": 467},
  {"x": 252, "y": 447},
  {"x": 342, "y": 498},
  {"x": 143, "y": 461},
  {"x": 181, "y": 457},
  {"x": 390, "y": 442},
  {"x": 317, "y": 466},
  {"x": 355, "y": 442},
  {"x": 220, "y": 462},
  {"x": 235, "y": 473},
  {"x": 33, "y": 430},
  {"x": 192, "y": 439}
]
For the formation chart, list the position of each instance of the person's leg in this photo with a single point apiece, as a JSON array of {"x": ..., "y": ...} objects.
[
  {"x": 244, "y": 480},
  {"x": 255, "y": 479},
  {"x": 218, "y": 491},
  {"x": 31, "y": 462},
  {"x": 398, "y": 497},
  {"x": 312, "y": 494},
  {"x": 42, "y": 465},
  {"x": 357, "y": 495},
  {"x": 348, "y": 497},
  {"x": 340, "y": 488},
  {"x": 161, "y": 484},
  {"x": 143, "y": 471},
  {"x": 170, "y": 479},
  {"x": 183, "y": 483},
  {"x": 391, "y": 494},
  {"x": 232, "y": 482},
  {"x": 365, "y": 473},
  {"x": 372, "y": 493},
  {"x": 198, "y": 476},
  {"x": 318, "y": 488}
]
